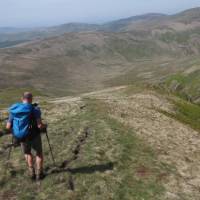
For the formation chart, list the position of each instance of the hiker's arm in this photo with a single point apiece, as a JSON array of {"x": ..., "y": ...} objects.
[
  {"x": 8, "y": 129},
  {"x": 9, "y": 122},
  {"x": 40, "y": 124},
  {"x": 38, "y": 114},
  {"x": 9, "y": 126}
]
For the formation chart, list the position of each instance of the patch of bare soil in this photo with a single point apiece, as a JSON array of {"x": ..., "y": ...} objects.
[{"x": 175, "y": 143}]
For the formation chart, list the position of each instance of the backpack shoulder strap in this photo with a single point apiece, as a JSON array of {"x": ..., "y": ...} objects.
[
  {"x": 32, "y": 115},
  {"x": 33, "y": 122}
]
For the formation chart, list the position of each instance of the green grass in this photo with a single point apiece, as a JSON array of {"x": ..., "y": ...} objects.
[
  {"x": 132, "y": 50},
  {"x": 112, "y": 164},
  {"x": 12, "y": 95},
  {"x": 178, "y": 77},
  {"x": 179, "y": 37},
  {"x": 187, "y": 113},
  {"x": 187, "y": 85}
]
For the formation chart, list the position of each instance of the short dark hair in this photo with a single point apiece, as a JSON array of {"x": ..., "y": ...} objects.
[{"x": 27, "y": 95}]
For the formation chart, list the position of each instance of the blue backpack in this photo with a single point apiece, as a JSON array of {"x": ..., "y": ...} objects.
[{"x": 22, "y": 114}]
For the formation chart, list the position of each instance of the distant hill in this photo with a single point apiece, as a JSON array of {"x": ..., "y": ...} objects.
[
  {"x": 10, "y": 35},
  {"x": 73, "y": 27},
  {"x": 13, "y": 36},
  {"x": 8, "y": 30},
  {"x": 188, "y": 16},
  {"x": 123, "y": 24},
  {"x": 76, "y": 58},
  {"x": 148, "y": 22}
]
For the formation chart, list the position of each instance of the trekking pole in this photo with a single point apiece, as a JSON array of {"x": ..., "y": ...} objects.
[
  {"x": 10, "y": 149},
  {"x": 54, "y": 163}
]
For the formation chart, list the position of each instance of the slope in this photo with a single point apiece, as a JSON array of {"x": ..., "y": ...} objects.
[
  {"x": 111, "y": 144},
  {"x": 63, "y": 62},
  {"x": 183, "y": 21},
  {"x": 150, "y": 47}
]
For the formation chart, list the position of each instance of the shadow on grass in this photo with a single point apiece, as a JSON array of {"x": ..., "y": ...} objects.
[
  {"x": 82, "y": 170},
  {"x": 92, "y": 169}
]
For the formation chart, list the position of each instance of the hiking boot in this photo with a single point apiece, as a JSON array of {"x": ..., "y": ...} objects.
[
  {"x": 32, "y": 173},
  {"x": 40, "y": 175}
]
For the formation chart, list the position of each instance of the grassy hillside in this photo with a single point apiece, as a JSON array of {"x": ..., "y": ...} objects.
[
  {"x": 186, "y": 112},
  {"x": 115, "y": 170},
  {"x": 147, "y": 48},
  {"x": 186, "y": 86},
  {"x": 63, "y": 62},
  {"x": 11, "y": 95},
  {"x": 108, "y": 146},
  {"x": 111, "y": 162},
  {"x": 136, "y": 141},
  {"x": 184, "y": 83}
]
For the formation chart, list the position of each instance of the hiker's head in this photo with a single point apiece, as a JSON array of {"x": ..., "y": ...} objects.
[{"x": 27, "y": 97}]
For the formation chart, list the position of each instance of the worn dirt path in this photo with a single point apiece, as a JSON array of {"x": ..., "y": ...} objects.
[{"x": 175, "y": 143}]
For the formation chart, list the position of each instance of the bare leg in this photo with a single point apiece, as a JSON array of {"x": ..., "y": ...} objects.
[
  {"x": 29, "y": 160},
  {"x": 39, "y": 165},
  {"x": 39, "y": 162}
]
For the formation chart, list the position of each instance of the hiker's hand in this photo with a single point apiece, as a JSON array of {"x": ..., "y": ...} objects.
[
  {"x": 43, "y": 128},
  {"x": 9, "y": 126}
]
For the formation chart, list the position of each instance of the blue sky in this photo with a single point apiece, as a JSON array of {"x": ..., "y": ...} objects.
[{"x": 31, "y": 13}]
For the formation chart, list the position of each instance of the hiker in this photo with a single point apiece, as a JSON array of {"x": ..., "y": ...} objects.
[{"x": 25, "y": 124}]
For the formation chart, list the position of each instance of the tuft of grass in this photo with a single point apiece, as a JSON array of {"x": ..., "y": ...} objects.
[
  {"x": 184, "y": 86},
  {"x": 188, "y": 113}
]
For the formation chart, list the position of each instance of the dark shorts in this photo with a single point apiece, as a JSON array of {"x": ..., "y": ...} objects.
[{"x": 35, "y": 144}]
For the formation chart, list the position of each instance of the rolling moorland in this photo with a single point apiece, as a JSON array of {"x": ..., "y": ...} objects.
[
  {"x": 130, "y": 129},
  {"x": 145, "y": 48}
]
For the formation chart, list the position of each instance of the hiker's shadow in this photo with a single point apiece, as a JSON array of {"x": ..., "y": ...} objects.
[
  {"x": 83, "y": 170},
  {"x": 92, "y": 169}
]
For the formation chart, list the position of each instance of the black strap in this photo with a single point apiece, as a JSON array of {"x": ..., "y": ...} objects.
[{"x": 34, "y": 130}]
